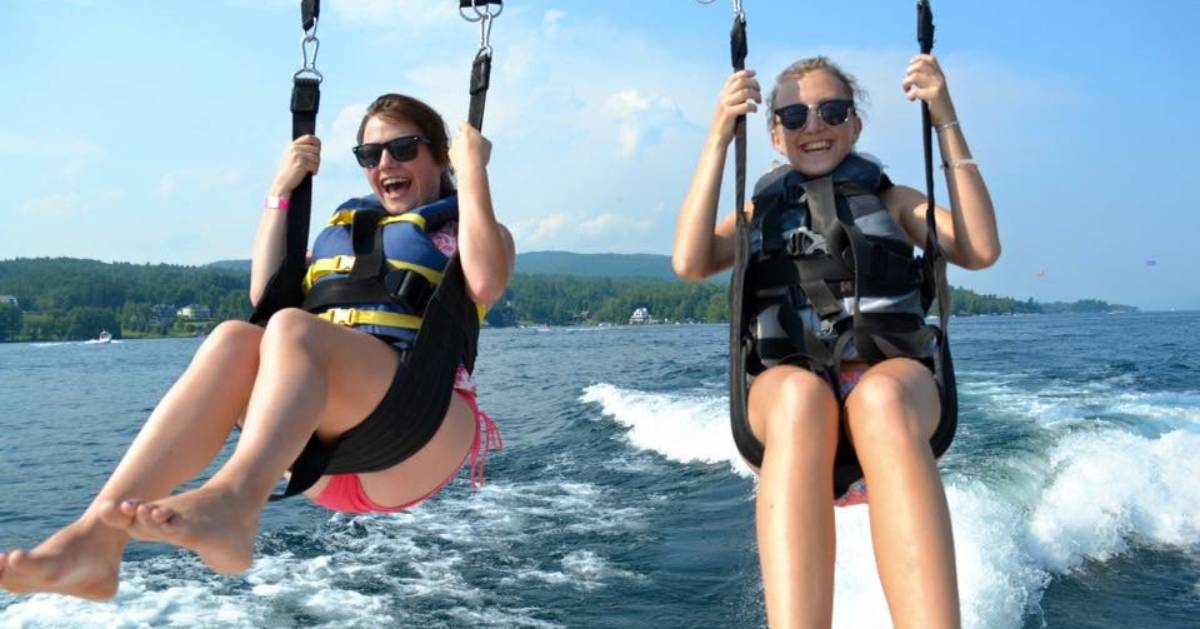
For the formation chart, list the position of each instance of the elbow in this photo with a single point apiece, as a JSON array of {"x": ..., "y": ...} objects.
[
  {"x": 487, "y": 293},
  {"x": 687, "y": 270},
  {"x": 984, "y": 258}
]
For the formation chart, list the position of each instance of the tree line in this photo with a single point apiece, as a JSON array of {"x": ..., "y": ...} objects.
[{"x": 71, "y": 299}]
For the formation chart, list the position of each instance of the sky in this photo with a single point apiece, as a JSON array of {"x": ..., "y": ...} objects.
[{"x": 149, "y": 130}]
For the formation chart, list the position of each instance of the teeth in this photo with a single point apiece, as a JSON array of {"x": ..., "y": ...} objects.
[{"x": 816, "y": 146}]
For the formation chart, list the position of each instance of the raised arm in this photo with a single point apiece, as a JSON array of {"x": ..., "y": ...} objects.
[
  {"x": 301, "y": 157},
  {"x": 703, "y": 248},
  {"x": 967, "y": 231},
  {"x": 485, "y": 246}
]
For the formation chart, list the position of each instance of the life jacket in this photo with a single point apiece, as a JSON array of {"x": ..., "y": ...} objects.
[
  {"x": 374, "y": 271},
  {"x": 384, "y": 275},
  {"x": 829, "y": 277}
]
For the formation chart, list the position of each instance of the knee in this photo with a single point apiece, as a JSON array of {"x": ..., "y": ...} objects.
[
  {"x": 882, "y": 409},
  {"x": 288, "y": 328},
  {"x": 232, "y": 340},
  {"x": 803, "y": 410}
]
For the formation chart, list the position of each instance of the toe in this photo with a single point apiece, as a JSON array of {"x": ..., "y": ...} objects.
[
  {"x": 161, "y": 515},
  {"x": 115, "y": 515}
]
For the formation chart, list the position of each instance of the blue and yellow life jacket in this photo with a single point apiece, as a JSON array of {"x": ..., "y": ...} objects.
[{"x": 375, "y": 271}]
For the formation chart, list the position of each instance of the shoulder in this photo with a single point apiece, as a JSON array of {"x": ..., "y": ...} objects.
[{"x": 899, "y": 198}]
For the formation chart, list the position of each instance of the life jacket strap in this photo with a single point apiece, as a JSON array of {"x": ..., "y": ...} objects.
[{"x": 354, "y": 316}]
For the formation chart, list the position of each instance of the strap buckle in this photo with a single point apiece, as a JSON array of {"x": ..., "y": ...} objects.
[
  {"x": 341, "y": 316},
  {"x": 804, "y": 242}
]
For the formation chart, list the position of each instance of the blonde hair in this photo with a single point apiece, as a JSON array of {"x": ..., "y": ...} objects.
[{"x": 797, "y": 70}]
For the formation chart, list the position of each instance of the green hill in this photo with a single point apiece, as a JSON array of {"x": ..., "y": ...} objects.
[
  {"x": 647, "y": 265},
  {"x": 67, "y": 298},
  {"x": 595, "y": 264}
]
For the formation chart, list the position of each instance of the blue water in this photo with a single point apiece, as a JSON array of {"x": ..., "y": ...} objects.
[{"x": 620, "y": 501}]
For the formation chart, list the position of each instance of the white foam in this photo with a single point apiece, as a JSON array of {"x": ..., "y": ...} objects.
[
  {"x": 684, "y": 428},
  {"x": 583, "y": 570},
  {"x": 1095, "y": 491},
  {"x": 407, "y": 569}
]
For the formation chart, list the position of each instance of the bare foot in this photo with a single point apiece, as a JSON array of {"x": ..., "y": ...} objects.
[
  {"x": 82, "y": 559},
  {"x": 216, "y": 523}
]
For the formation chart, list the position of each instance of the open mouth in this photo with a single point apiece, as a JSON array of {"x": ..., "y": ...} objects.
[
  {"x": 817, "y": 146},
  {"x": 395, "y": 186}
]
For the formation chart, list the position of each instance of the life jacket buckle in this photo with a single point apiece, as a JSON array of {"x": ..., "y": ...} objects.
[
  {"x": 804, "y": 242},
  {"x": 341, "y": 316}
]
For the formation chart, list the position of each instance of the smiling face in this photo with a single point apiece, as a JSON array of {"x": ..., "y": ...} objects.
[
  {"x": 816, "y": 148},
  {"x": 401, "y": 186}
]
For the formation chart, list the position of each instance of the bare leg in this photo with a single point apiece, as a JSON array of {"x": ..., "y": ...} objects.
[
  {"x": 892, "y": 412},
  {"x": 794, "y": 414},
  {"x": 181, "y": 437},
  {"x": 315, "y": 376}
]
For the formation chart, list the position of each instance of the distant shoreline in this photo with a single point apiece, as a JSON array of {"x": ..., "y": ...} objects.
[{"x": 71, "y": 299}]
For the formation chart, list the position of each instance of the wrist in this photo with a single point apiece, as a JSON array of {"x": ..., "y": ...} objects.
[
  {"x": 946, "y": 117},
  {"x": 276, "y": 202}
]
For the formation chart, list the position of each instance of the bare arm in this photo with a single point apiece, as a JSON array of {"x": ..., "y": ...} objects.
[
  {"x": 485, "y": 246},
  {"x": 302, "y": 156},
  {"x": 703, "y": 248},
  {"x": 967, "y": 231}
]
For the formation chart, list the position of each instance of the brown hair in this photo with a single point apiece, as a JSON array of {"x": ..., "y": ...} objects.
[
  {"x": 401, "y": 108},
  {"x": 797, "y": 70}
]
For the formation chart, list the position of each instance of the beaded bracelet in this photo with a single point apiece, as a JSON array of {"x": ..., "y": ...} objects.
[
  {"x": 945, "y": 125},
  {"x": 959, "y": 163}
]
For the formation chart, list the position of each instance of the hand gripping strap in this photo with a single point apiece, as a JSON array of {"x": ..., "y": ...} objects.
[
  {"x": 739, "y": 337},
  {"x": 284, "y": 288}
]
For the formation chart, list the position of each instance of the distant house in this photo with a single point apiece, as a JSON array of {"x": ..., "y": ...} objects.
[
  {"x": 8, "y": 300},
  {"x": 639, "y": 316},
  {"x": 195, "y": 312},
  {"x": 162, "y": 314}
]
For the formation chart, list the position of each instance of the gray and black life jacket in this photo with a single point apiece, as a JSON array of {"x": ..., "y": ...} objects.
[{"x": 831, "y": 275}]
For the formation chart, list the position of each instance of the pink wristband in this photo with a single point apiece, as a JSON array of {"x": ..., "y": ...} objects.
[{"x": 276, "y": 203}]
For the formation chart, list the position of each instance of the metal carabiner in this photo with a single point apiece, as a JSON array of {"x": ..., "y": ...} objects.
[
  {"x": 310, "y": 65},
  {"x": 485, "y": 34},
  {"x": 737, "y": 7},
  {"x": 480, "y": 14}
]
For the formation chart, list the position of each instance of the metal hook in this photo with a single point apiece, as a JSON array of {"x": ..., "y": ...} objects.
[
  {"x": 310, "y": 64},
  {"x": 485, "y": 32},
  {"x": 480, "y": 14}
]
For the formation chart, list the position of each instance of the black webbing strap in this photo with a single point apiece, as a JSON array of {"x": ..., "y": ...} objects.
[
  {"x": 739, "y": 340},
  {"x": 935, "y": 263},
  {"x": 310, "y": 10},
  {"x": 481, "y": 74},
  {"x": 284, "y": 288}
]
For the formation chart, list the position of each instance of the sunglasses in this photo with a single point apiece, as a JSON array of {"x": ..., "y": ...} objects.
[
  {"x": 402, "y": 149},
  {"x": 831, "y": 112}
]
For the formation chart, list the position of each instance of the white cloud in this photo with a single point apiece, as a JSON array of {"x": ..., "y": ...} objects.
[
  {"x": 551, "y": 23},
  {"x": 75, "y": 156},
  {"x": 601, "y": 223},
  {"x": 192, "y": 180},
  {"x": 541, "y": 230},
  {"x": 69, "y": 204},
  {"x": 403, "y": 15},
  {"x": 626, "y": 102},
  {"x": 344, "y": 136}
]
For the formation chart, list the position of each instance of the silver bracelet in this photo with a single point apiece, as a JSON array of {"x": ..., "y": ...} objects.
[
  {"x": 945, "y": 125},
  {"x": 960, "y": 163}
]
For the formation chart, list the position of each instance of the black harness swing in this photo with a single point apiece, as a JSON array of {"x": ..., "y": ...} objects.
[
  {"x": 838, "y": 256},
  {"x": 416, "y": 403}
]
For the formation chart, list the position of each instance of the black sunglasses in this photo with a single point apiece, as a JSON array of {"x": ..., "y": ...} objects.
[
  {"x": 402, "y": 149},
  {"x": 832, "y": 112}
]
